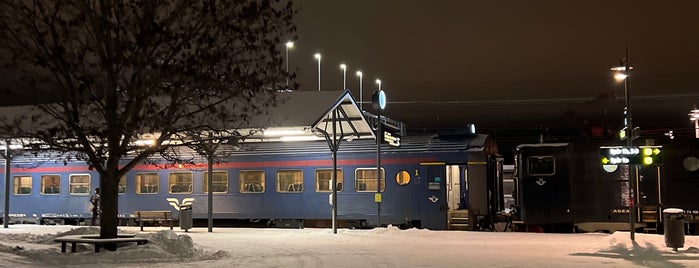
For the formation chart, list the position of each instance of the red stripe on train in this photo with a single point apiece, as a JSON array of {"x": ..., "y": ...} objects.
[{"x": 257, "y": 164}]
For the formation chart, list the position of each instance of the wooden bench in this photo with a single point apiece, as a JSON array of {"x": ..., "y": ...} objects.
[
  {"x": 98, "y": 242},
  {"x": 158, "y": 215}
]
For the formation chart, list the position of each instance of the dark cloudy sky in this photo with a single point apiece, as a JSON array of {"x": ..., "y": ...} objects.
[{"x": 502, "y": 63}]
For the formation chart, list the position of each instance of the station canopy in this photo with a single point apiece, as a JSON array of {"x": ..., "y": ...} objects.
[{"x": 310, "y": 115}]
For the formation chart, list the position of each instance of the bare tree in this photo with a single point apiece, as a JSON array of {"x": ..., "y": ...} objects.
[{"x": 118, "y": 78}]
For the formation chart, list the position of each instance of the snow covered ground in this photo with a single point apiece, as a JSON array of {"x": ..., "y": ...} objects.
[{"x": 32, "y": 246}]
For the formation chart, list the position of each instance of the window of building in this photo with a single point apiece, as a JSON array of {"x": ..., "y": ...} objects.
[
  {"x": 323, "y": 178},
  {"x": 542, "y": 165},
  {"x": 219, "y": 182},
  {"x": 79, "y": 184},
  {"x": 22, "y": 185},
  {"x": 403, "y": 178},
  {"x": 252, "y": 181},
  {"x": 289, "y": 181},
  {"x": 180, "y": 182},
  {"x": 50, "y": 184},
  {"x": 147, "y": 183},
  {"x": 366, "y": 180}
]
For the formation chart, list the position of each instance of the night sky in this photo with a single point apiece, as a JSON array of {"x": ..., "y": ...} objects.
[{"x": 507, "y": 64}]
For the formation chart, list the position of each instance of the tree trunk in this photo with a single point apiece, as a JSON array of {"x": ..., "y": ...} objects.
[{"x": 109, "y": 204}]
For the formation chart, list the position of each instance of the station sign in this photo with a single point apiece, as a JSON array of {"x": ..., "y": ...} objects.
[
  {"x": 631, "y": 155},
  {"x": 391, "y": 139}
]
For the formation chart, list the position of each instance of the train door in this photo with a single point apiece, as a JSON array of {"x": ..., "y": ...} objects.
[
  {"x": 433, "y": 197},
  {"x": 649, "y": 199},
  {"x": 454, "y": 190}
]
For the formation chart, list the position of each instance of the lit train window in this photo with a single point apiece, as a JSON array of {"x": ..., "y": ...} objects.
[
  {"x": 121, "y": 188},
  {"x": 147, "y": 183},
  {"x": 403, "y": 178},
  {"x": 79, "y": 184},
  {"x": 289, "y": 181},
  {"x": 50, "y": 184},
  {"x": 610, "y": 168},
  {"x": 252, "y": 181},
  {"x": 542, "y": 165},
  {"x": 180, "y": 182},
  {"x": 219, "y": 183},
  {"x": 691, "y": 164},
  {"x": 324, "y": 177},
  {"x": 365, "y": 180},
  {"x": 22, "y": 185}
]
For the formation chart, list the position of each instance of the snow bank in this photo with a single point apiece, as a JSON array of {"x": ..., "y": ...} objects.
[{"x": 163, "y": 247}]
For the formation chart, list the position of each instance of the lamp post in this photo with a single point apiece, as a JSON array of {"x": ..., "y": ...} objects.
[
  {"x": 694, "y": 116},
  {"x": 623, "y": 73},
  {"x": 379, "y": 102},
  {"x": 289, "y": 45},
  {"x": 317, "y": 56},
  {"x": 344, "y": 76},
  {"x": 359, "y": 73}
]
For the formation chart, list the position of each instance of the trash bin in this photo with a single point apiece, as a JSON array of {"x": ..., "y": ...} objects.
[
  {"x": 186, "y": 221},
  {"x": 185, "y": 209},
  {"x": 674, "y": 228}
]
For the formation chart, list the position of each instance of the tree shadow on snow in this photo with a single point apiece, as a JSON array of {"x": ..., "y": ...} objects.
[{"x": 648, "y": 256}]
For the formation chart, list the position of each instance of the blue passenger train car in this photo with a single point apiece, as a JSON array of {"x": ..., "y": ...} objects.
[{"x": 424, "y": 179}]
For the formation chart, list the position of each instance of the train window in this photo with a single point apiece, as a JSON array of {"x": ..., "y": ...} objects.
[
  {"x": 50, "y": 184},
  {"x": 180, "y": 182},
  {"x": 691, "y": 164},
  {"x": 121, "y": 188},
  {"x": 323, "y": 178},
  {"x": 22, "y": 185},
  {"x": 219, "y": 182},
  {"x": 147, "y": 183},
  {"x": 365, "y": 180},
  {"x": 79, "y": 184},
  {"x": 542, "y": 165},
  {"x": 403, "y": 178},
  {"x": 252, "y": 181},
  {"x": 289, "y": 181}
]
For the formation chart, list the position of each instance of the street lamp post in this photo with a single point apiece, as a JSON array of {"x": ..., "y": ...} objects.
[
  {"x": 289, "y": 45},
  {"x": 379, "y": 102},
  {"x": 344, "y": 76},
  {"x": 623, "y": 73},
  {"x": 359, "y": 73},
  {"x": 317, "y": 56}
]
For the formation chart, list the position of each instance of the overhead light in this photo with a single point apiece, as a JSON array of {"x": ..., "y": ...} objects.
[
  {"x": 299, "y": 138},
  {"x": 286, "y": 132}
]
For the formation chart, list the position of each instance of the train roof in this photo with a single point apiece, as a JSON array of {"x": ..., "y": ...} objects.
[{"x": 559, "y": 144}]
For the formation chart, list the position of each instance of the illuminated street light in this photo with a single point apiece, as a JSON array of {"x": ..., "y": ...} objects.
[
  {"x": 622, "y": 74},
  {"x": 317, "y": 56},
  {"x": 359, "y": 73},
  {"x": 289, "y": 45},
  {"x": 378, "y": 82},
  {"x": 694, "y": 116},
  {"x": 344, "y": 76}
]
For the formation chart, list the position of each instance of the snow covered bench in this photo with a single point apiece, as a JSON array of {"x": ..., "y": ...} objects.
[
  {"x": 158, "y": 215},
  {"x": 98, "y": 242}
]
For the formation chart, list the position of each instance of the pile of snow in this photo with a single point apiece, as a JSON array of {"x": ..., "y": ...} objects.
[{"x": 163, "y": 246}]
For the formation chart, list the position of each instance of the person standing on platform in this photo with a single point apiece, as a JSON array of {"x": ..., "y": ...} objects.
[{"x": 95, "y": 206}]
